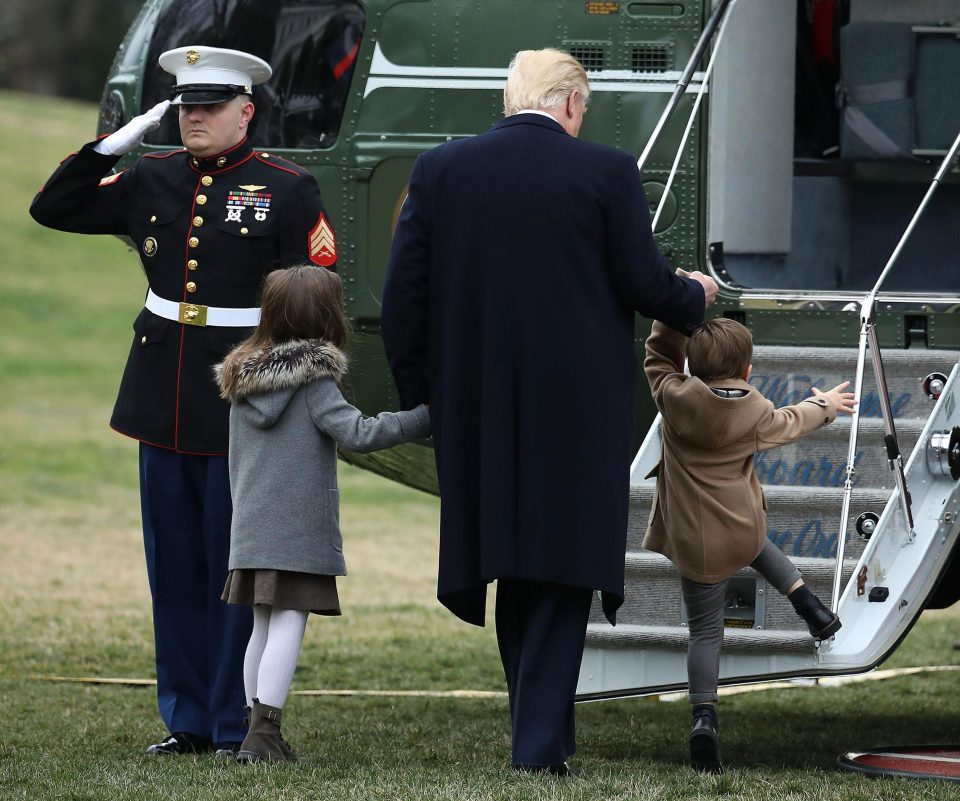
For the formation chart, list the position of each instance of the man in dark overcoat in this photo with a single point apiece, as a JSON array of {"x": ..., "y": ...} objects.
[
  {"x": 209, "y": 222},
  {"x": 519, "y": 260}
]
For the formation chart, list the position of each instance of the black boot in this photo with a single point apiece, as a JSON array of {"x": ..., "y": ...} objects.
[
  {"x": 704, "y": 743},
  {"x": 821, "y": 622}
]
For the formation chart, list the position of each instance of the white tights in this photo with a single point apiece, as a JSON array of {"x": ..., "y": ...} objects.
[{"x": 272, "y": 652}]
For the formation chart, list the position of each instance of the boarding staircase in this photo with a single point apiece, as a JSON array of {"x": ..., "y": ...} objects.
[{"x": 803, "y": 484}]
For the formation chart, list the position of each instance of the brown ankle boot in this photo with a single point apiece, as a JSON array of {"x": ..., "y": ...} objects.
[
  {"x": 264, "y": 742},
  {"x": 287, "y": 749}
]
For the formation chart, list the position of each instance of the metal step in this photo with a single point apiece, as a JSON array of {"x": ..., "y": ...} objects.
[
  {"x": 801, "y": 521},
  {"x": 675, "y": 638},
  {"x": 819, "y": 459},
  {"x": 785, "y": 374},
  {"x": 654, "y": 598}
]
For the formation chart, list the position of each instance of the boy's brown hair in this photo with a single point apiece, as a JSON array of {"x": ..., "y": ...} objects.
[{"x": 719, "y": 348}]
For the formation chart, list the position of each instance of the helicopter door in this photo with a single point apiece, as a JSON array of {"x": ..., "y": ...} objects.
[{"x": 807, "y": 196}]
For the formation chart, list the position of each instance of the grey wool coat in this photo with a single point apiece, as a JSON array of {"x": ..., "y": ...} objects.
[{"x": 287, "y": 417}]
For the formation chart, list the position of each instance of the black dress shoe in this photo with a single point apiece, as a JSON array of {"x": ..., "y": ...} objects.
[
  {"x": 704, "y": 744},
  {"x": 560, "y": 769},
  {"x": 180, "y": 743},
  {"x": 226, "y": 750}
]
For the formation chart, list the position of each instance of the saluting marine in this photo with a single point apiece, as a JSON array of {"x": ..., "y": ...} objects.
[{"x": 209, "y": 222}]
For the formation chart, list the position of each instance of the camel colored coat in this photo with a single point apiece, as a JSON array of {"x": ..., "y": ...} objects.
[{"x": 709, "y": 515}]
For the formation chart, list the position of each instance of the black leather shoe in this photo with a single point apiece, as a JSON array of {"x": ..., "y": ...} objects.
[
  {"x": 226, "y": 750},
  {"x": 705, "y": 745},
  {"x": 821, "y": 622},
  {"x": 561, "y": 769},
  {"x": 824, "y": 625},
  {"x": 180, "y": 743}
]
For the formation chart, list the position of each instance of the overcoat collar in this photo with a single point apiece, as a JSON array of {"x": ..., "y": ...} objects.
[
  {"x": 729, "y": 383},
  {"x": 530, "y": 119}
]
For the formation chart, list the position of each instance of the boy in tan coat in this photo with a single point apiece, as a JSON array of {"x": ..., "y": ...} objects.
[{"x": 709, "y": 515}]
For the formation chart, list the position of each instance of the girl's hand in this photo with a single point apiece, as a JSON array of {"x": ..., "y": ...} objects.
[{"x": 841, "y": 401}]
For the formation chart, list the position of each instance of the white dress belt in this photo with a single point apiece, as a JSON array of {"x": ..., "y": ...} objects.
[{"x": 196, "y": 314}]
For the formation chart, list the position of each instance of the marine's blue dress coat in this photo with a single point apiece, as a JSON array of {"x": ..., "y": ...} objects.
[{"x": 520, "y": 258}]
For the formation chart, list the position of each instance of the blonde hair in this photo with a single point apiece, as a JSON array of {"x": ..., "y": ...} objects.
[
  {"x": 720, "y": 348},
  {"x": 542, "y": 79}
]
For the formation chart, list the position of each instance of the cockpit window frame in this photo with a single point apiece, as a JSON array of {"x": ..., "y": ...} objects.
[{"x": 312, "y": 46}]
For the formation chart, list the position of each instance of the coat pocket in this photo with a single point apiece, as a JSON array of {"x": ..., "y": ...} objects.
[
  {"x": 149, "y": 329},
  {"x": 247, "y": 226}
]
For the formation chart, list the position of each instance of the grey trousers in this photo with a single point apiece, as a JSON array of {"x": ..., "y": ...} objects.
[{"x": 704, "y": 603}]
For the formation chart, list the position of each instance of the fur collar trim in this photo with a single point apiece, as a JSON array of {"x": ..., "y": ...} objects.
[{"x": 287, "y": 365}]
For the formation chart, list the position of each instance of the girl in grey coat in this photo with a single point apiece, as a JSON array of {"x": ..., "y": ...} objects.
[{"x": 287, "y": 417}]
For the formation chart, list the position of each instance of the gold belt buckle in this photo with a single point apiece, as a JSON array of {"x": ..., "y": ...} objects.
[{"x": 192, "y": 314}]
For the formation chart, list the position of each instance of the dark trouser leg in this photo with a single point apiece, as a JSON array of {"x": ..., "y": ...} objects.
[
  {"x": 199, "y": 640},
  {"x": 509, "y": 624},
  {"x": 541, "y": 630},
  {"x": 229, "y": 626},
  {"x": 704, "y": 603}
]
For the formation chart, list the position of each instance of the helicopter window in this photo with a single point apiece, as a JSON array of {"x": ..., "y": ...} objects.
[
  {"x": 311, "y": 45},
  {"x": 590, "y": 56},
  {"x": 651, "y": 58}
]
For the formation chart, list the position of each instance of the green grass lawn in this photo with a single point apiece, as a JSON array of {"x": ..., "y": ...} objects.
[{"x": 74, "y": 601}]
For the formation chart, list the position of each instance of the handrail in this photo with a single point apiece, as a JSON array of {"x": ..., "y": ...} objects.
[
  {"x": 693, "y": 115},
  {"x": 705, "y": 36},
  {"x": 868, "y": 333}
]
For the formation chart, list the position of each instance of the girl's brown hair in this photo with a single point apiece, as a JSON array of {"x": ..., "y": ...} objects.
[
  {"x": 720, "y": 348},
  {"x": 303, "y": 302}
]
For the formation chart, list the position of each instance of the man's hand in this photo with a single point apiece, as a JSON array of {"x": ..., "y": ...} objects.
[
  {"x": 130, "y": 136},
  {"x": 841, "y": 401},
  {"x": 708, "y": 284}
]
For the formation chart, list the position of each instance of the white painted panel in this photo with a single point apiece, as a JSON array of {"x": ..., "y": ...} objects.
[{"x": 751, "y": 129}]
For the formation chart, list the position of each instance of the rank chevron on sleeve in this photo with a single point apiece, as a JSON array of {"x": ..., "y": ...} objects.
[{"x": 322, "y": 243}]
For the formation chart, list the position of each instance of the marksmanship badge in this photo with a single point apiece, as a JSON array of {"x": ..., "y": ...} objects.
[{"x": 242, "y": 198}]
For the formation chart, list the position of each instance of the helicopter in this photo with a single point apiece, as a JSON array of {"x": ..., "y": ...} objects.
[{"x": 802, "y": 153}]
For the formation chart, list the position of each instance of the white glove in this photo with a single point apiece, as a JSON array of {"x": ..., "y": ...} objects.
[{"x": 130, "y": 136}]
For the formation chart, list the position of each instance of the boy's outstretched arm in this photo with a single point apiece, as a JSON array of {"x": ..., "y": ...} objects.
[
  {"x": 841, "y": 401},
  {"x": 790, "y": 423}
]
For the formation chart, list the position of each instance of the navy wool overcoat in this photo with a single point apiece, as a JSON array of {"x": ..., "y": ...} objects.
[{"x": 519, "y": 260}]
